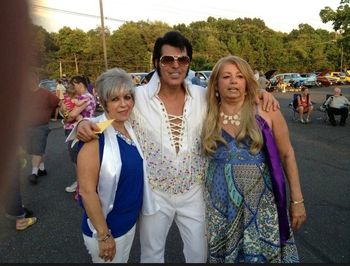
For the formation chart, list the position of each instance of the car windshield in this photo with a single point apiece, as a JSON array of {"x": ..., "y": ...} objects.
[
  {"x": 207, "y": 73},
  {"x": 49, "y": 85}
]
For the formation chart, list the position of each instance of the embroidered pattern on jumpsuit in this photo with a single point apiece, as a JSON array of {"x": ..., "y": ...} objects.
[{"x": 167, "y": 171}]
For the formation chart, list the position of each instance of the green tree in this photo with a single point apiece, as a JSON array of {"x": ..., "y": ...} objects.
[
  {"x": 131, "y": 45},
  {"x": 341, "y": 23},
  {"x": 72, "y": 44},
  {"x": 43, "y": 50},
  {"x": 92, "y": 62}
]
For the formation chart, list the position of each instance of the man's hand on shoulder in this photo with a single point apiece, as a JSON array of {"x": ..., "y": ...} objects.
[
  {"x": 86, "y": 131},
  {"x": 268, "y": 101}
]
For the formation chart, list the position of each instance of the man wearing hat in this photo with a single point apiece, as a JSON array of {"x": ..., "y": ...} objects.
[{"x": 64, "y": 80}]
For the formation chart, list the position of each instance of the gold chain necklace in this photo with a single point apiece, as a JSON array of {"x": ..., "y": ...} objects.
[{"x": 233, "y": 119}]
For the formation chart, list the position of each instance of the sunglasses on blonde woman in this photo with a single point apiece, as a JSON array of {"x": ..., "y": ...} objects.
[{"x": 166, "y": 60}]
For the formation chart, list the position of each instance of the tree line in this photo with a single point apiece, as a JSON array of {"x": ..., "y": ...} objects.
[{"x": 130, "y": 46}]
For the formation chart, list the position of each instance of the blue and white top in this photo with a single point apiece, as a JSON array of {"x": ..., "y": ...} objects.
[
  {"x": 111, "y": 172},
  {"x": 128, "y": 198}
]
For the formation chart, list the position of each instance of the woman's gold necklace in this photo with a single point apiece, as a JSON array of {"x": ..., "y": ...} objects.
[{"x": 232, "y": 119}]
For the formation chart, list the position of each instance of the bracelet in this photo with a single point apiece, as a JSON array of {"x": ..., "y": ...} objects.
[
  {"x": 103, "y": 239},
  {"x": 77, "y": 123},
  {"x": 297, "y": 201}
]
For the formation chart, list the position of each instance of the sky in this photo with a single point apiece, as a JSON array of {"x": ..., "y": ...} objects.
[{"x": 278, "y": 15}]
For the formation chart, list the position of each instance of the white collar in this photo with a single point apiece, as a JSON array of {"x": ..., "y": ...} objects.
[{"x": 153, "y": 86}]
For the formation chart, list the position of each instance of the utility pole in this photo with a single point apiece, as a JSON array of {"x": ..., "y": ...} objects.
[
  {"x": 150, "y": 62},
  {"x": 341, "y": 58},
  {"x": 103, "y": 35},
  {"x": 60, "y": 68},
  {"x": 76, "y": 63},
  {"x": 341, "y": 49}
]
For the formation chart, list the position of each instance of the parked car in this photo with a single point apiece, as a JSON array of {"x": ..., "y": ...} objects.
[
  {"x": 270, "y": 73},
  {"x": 49, "y": 84},
  {"x": 206, "y": 73},
  {"x": 347, "y": 77},
  {"x": 190, "y": 75},
  {"x": 335, "y": 78},
  {"x": 139, "y": 75},
  {"x": 293, "y": 78},
  {"x": 310, "y": 79},
  {"x": 321, "y": 79},
  {"x": 204, "y": 77},
  {"x": 344, "y": 78}
]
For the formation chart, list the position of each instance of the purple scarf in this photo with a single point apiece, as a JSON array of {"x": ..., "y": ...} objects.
[{"x": 277, "y": 178}]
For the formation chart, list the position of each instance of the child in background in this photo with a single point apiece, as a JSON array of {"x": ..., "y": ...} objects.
[
  {"x": 60, "y": 90},
  {"x": 70, "y": 101}
]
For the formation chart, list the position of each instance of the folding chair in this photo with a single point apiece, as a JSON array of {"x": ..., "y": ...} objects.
[
  {"x": 323, "y": 108},
  {"x": 295, "y": 114},
  {"x": 294, "y": 103}
]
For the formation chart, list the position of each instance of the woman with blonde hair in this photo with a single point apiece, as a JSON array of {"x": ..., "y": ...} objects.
[{"x": 247, "y": 218}]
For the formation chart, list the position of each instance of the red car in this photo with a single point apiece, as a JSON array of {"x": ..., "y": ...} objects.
[{"x": 323, "y": 80}]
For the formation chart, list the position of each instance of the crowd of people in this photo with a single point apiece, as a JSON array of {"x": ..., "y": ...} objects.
[{"x": 216, "y": 160}]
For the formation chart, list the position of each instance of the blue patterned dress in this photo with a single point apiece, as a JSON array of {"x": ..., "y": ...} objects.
[{"x": 241, "y": 211}]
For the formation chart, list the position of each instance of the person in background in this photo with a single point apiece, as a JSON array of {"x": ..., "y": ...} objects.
[
  {"x": 60, "y": 90},
  {"x": 72, "y": 104},
  {"x": 304, "y": 105},
  {"x": 246, "y": 207},
  {"x": 196, "y": 80},
  {"x": 263, "y": 82},
  {"x": 40, "y": 107},
  {"x": 256, "y": 74},
  {"x": 111, "y": 174},
  {"x": 14, "y": 207},
  {"x": 65, "y": 81},
  {"x": 90, "y": 86},
  {"x": 337, "y": 105},
  {"x": 15, "y": 54},
  {"x": 167, "y": 119},
  {"x": 87, "y": 110}
]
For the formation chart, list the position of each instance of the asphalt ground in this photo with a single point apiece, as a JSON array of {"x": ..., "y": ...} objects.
[{"x": 322, "y": 153}]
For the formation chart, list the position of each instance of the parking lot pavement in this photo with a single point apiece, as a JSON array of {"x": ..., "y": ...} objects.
[{"x": 322, "y": 153}]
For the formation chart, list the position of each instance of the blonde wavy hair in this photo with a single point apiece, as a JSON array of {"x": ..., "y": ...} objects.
[{"x": 211, "y": 132}]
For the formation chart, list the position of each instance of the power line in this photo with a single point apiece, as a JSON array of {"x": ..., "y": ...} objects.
[{"x": 76, "y": 13}]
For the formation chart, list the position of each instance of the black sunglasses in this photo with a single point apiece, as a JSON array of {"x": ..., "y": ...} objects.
[{"x": 170, "y": 59}]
